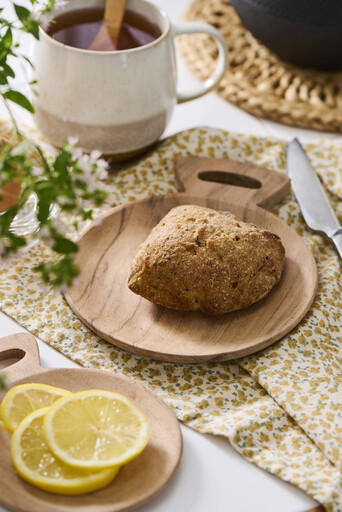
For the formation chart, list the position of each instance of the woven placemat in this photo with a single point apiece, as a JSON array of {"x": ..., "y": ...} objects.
[{"x": 257, "y": 81}]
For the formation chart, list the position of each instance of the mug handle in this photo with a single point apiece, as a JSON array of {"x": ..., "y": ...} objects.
[{"x": 222, "y": 64}]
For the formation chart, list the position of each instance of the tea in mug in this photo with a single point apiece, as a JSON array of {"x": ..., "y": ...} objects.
[{"x": 79, "y": 28}]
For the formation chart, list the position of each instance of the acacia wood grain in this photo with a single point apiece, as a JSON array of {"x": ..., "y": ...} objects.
[
  {"x": 102, "y": 300},
  {"x": 137, "y": 482}
]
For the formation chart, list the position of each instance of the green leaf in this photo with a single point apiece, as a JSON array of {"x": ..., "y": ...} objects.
[
  {"x": 8, "y": 39},
  {"x": 61, "y": 164},
  {"x": 60, "y": 272},
  {"x": 64, "y": 245},
  {"x": 27, "y": 60},
  {"x": 33, "y": 28},
  {"x": 3, "y": 78},
  {"x": 22, "y": 13},
  {"x": 87, "y": 214},
  {"x": 20, "y": 99},
  {"x": 29, "y": 23},
  {"x": 2, "y": 382},
  {"x": 8, "y": 70},
  {"x": 43, "y": 160},
  {"x": 43, "y": 209}
]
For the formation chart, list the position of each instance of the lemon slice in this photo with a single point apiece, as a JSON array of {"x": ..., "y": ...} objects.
[
  {"x": 23, "y": 399},
  {"x": 35, "y": 463},
  {"x": 96, "y": 429}
]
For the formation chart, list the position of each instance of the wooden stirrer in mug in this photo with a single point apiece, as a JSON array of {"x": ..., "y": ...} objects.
[{"x": 107, "y": 36}]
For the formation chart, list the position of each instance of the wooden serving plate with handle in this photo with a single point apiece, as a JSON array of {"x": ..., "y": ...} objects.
[
  {"x": 104, "y": 303},
  {"x": 137, "y": 482}
]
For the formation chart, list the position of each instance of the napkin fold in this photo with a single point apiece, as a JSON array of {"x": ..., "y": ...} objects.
[{"x": 280, "y": 408}]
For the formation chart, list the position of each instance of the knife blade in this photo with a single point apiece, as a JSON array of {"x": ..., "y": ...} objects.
[{"x": 311, "y": 196}]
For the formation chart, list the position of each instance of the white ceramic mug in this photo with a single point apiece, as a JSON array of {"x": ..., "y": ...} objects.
[{"x": 118, "y": 101}]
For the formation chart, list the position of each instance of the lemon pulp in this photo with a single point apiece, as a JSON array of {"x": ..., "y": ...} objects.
[
  {"x": 96, "y": 429},
  {"x": 23, "y": 399},
  {"x": 35, "y": 463}
]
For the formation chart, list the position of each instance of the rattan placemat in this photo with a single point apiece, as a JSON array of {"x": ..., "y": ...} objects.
[{"x": 257, "y": 81}]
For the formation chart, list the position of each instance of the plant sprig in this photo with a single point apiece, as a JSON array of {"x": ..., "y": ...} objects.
[{"x": 69, "y": 180}]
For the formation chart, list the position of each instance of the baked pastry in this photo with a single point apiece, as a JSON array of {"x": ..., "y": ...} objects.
[{"x": 199, "y": 259}]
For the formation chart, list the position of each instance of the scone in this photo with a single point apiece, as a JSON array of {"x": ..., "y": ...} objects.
[{"x": 199, "y": 259}]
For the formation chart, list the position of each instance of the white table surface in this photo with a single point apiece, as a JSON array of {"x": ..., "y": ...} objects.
[{"x": 211, "y": 475}]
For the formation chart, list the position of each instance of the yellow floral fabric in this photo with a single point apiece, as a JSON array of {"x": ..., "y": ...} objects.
[{"x": 280, "y": 408}]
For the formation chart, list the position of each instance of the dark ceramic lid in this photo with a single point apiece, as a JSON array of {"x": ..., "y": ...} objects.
[{"x": 313, "y": 12}]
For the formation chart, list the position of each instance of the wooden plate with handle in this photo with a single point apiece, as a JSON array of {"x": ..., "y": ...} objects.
[
  {"x": 102, "y": 300},
  {"x": 137, "y": 482}
]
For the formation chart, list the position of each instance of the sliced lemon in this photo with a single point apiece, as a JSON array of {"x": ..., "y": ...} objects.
[
  {"x": 23, "y": 399},
  {"x": 35, "y": 463},
  {"x": 96, "y": 429}
]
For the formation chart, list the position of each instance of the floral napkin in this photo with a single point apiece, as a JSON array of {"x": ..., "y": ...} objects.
[{"x": 281, "y": 408}]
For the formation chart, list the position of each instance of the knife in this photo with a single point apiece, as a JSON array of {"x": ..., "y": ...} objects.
[{"x": 311, "y": 196}]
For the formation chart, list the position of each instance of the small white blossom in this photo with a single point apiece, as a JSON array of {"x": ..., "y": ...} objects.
[
  {"x": 60, "y": 4},
  {"x": 76, "y": 153},
  {"x": 63, "y": 201},
  {"x": 72, "y": 141},
  {"x": 102, "y": 174},
  {"x": 44, "y": 21},
  {"x": 84, "y": 164},
  {"x": 102, "y": 164},
  {"x": 37, "y": 171},
  {"x": 94, "y": 156}
]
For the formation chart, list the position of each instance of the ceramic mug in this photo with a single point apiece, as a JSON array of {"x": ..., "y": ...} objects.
[{"x": 117, "y": 101}]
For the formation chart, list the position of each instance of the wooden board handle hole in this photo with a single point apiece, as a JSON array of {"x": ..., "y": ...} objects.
[
  {"x": 11, "y": 357},
  {"x": 230, "y": 178}
]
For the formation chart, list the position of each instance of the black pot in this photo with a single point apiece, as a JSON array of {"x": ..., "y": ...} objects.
[{"x": 304, "y": 32}]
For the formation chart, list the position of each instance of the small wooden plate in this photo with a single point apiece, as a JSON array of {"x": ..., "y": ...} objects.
[
  {"x": 102, "y": 300},
  {"x": 137, "y": 482}
]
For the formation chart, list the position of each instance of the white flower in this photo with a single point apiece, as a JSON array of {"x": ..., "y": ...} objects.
[
  {"x": 37, "y": 171},
  {"x": 76, "y": 153},
  {"x": 102, "y": 174},
  {"x": 102, "y": 164},
  {"x": 44, "y": 21},
  {"x": 60, "y": 4},
  {"x": 63, "y": 201},
  {"x": 72, "y": 141},
  {"x": 101, "y": 171},
  {"x": 84, "y": 164},
  {"x": 94, "y": 156}
]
